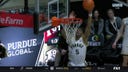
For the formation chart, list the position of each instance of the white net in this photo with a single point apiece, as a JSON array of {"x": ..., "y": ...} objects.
[{"x": 70, "y": 29}]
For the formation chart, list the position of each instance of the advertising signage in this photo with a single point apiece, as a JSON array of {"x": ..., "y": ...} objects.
[{"x": 16, "y": 20}]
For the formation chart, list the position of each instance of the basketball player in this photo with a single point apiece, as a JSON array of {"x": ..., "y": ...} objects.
[
  {"x": 77, "y": 49},
  {"x": 123, "y": 31},
  {"x": 49, "y": 55}
]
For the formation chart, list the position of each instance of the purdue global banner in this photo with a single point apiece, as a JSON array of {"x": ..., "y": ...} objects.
[{"x": 22, "y": 46}]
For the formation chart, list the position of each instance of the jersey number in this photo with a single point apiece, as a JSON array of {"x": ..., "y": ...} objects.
[
  {"x": 50, "y": 54},
  {"x": 77, "y": 51}
]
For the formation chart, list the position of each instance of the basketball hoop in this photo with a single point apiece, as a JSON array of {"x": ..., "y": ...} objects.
[{"x": 70, "y": 26}]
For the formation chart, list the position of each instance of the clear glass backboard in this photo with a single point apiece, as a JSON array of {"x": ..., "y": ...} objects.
[{"x": 50, "y": 8}]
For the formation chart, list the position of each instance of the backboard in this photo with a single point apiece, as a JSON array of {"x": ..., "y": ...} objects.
[{"x": 50, "y": 8}]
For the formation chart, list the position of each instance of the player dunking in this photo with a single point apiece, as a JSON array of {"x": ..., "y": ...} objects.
[
  {"x": 77, "y": 49},
  {"x": 76, "y": 36}
]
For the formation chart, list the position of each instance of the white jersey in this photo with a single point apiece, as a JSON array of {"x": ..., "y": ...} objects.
[
  {"x": 77, "y": 53},
  {"x": 125, "y": 38}
]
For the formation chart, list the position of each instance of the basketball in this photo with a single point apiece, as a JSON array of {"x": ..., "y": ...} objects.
[
  {"x": 88, "y": 5},
  {"x": 55, "y": 21}
]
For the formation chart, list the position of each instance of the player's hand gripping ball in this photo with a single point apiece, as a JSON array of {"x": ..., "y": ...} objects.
[
  {"x": 55, "y": 21},
  {"x": 88, "y": 5}
]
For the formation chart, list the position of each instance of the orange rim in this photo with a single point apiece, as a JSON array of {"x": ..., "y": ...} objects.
[{"x": 56, "y": 22}]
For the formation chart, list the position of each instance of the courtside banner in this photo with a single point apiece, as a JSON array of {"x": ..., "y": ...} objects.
[
  {"x": 16, "y": 20},
  {"x": 21, "y": 44}
]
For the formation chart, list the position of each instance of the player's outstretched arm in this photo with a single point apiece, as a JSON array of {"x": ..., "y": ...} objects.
[{"x": 88, "y": 28}]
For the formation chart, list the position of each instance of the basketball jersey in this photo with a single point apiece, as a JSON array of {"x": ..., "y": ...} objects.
[
  {"x": 77, "y": 53},
  {"x": 51, "y": 33},
  {"x": 125, "y": 20},
  {"x": 126, "y": 29},
  {"x": 125, "y": 38}
]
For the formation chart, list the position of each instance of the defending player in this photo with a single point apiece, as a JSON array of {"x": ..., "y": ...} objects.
[
  {"x": 123, "y": 31},
  {"x": 49, "y": 54}
]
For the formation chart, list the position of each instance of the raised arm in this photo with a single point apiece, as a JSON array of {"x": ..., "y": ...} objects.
[{"x": 88, "y": 28}]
